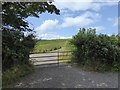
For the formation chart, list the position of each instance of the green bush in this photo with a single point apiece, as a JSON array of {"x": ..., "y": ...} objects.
[
  {"x": 15, "y": 48},
  {"x": 101, "y": 52},
  {"x": 55, "y": 48}
]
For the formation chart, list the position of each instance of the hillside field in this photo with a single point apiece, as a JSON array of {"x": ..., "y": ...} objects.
[{"x": 52, "y": 45}]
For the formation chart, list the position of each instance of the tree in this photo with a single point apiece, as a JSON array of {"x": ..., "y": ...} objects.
[
  {"x": 16, "y": 46},
  {"x": 14, "y": 13}
]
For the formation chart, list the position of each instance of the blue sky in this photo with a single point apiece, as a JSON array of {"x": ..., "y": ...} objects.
[{"x": 75, "y": 15}]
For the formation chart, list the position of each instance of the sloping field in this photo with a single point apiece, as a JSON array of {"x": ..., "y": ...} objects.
[{"x": 50, "y": 45}]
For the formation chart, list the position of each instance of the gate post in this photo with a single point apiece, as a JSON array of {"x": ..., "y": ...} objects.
[{"x": 58, "y": 57}]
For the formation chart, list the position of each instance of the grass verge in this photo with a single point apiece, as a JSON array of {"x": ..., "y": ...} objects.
[
  {"x": 91, "y": 68},
  {"x": 15, "y": 73}
]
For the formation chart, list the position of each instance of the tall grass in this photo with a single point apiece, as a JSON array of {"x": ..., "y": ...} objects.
[{"x": 13, "y": 74}]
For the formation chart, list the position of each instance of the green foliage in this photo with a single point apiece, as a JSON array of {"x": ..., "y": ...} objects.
[
  {"x": 16, "y": 46},
  {"x": 15, "y": 13},
  {"x": 101, "y": 52}
]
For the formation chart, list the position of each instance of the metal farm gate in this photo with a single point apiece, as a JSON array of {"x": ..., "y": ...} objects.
[{"x": 50, "y": 58}]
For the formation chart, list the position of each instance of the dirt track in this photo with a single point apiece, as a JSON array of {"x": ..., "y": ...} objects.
[{"x": 65, "y": 76}]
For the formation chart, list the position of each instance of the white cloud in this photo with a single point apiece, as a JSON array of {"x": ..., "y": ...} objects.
[
  {"x": 117, "y": 21},
  {"x": 114, "y": 21},
  {"x": 108, "y": 1},
  {"x": 98, "y": 28},
  {"x": 73, "y": 5},
  {"x": 47, "y": 24},
  {"x": 110, "y": 19},
  {"x": 68, "y": 15},
  {"x": 77, "y": 5},
  {"x": 87, "y": 1},
  {"x": 83, "y": 20},
  {"x": 49, "y": 36}
]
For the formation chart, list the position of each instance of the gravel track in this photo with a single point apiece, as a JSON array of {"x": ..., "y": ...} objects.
[{"x": 66, "y": 76}]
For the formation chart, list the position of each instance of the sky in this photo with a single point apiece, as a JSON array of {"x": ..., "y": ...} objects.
[{"x": 75, "y": 14}]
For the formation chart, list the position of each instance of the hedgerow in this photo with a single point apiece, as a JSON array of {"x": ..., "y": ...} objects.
[{"x": 99, "y": 52}]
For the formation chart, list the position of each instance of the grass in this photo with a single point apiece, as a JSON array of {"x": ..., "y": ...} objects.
[
  {"x": 62, "y": 45},
  {"x": 66, "y": 57},
  {"x": 15, "y": 73},
  {"x": 52, "y": 45},
  {"x": 49, "y": 45}
]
